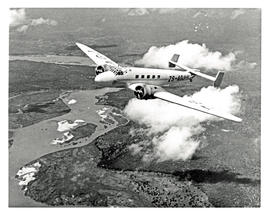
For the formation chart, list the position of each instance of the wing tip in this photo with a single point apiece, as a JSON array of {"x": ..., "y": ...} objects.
[
  {"x": 235, "y": 119},
  {"x": 79, "y": 44},
  {"x": 238, "y": 120}
]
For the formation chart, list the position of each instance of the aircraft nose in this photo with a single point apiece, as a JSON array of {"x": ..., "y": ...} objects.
[{"x": 105, "y": 77}]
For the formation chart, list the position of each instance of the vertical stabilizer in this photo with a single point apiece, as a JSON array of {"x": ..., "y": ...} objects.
[
  {"x": 174, "y": 60},
  {"x": 218, "y": 79}
]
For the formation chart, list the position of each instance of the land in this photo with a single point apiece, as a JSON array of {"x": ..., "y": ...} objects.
[
  {"x": 98, "y": 168},
  {"x": 33, "y": 107},
  {"x": 208, "y": 179},
  {"x": 82, "y": 132},
  {"x": 25, "y": 76},
  {"x": 74, "y": 178},
  {"x": 209, "y": 175}
]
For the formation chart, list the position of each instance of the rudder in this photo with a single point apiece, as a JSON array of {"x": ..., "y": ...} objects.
[
  {"x": 218, "y": 79},
  {"x": 174, "y": 60}
]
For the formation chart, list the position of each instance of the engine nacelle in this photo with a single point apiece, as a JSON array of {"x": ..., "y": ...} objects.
[
  {"x": 99, "y": 69},
  {"x": 144, "y": 92}
]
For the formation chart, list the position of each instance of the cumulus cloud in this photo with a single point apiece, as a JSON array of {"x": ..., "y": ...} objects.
[
  {"x": 17, "y": 17},
  {"x": 171, "y": 130},
  {"x": 192, "y": 55}
]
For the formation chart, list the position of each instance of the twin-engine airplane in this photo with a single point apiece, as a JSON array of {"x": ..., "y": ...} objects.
[{"x": 146, "y": 82}]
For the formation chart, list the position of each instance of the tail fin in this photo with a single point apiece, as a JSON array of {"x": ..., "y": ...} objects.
[
  {"x": 174, "y": 60},
  {"x": 218, "y": 79}
]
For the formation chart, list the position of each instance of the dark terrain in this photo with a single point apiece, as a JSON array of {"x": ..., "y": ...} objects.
[
  {"x": 224, "y": 173},
  {"x": 74, "y": 178}
]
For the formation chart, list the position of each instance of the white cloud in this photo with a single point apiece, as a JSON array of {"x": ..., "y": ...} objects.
[
  {"x": 40, "y": 21},
  {"x": 147, "y": 11},
  {"x": 244, "y": 65},
  {"x": 171, "y": 129},
  {"x": 17, "y": 17},
  {"x": 23, "y": 28},
  {"x": 138, "y": 12},
  {"x": 135, "y": 11},
  {"x": 167, "y": 10},
  {"x": 192, "y": 55},
  {"x": 236, "y": 13}
]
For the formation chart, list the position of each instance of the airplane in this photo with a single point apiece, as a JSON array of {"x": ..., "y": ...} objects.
[{"x": 146, "y": 82}]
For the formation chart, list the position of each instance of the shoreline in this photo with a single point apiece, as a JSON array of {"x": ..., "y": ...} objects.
[{"x": 36, "y": 140}]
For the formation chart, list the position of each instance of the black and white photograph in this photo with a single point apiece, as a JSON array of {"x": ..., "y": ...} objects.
[{"x": 134, "y": 107}]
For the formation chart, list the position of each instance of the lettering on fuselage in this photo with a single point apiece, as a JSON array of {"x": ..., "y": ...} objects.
[{"x": 177, "y": 78}]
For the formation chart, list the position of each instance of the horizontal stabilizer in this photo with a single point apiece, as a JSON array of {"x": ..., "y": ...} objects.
[{"x": 217, "y": 80}]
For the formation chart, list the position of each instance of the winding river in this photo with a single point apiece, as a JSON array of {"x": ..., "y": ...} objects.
[{"x": 34, "y": 141}]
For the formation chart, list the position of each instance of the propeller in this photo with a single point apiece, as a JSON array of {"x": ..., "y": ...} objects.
[{"x": 139, "y": 92}]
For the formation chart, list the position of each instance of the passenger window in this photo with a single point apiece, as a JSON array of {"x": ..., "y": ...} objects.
[
  {"x": 137, "y": 76},
  {"x": 153, "y": 76},
  {"x": 142, "y": 76},
  {"x": 148, "y": 76}
]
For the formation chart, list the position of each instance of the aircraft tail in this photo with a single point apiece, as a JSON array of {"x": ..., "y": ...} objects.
[
  {"x": 174, "y": 60},
  {"x": 218, "y": 79}
]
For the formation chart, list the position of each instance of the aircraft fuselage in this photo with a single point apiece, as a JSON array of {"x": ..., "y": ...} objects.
[{"x": 144, "y": 75}]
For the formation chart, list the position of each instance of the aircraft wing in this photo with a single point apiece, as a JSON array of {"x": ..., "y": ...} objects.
[
  {"x": 160, "y": 93},
  {"x": 95, "y": 56},
  {"x": 169, "y": 97}
]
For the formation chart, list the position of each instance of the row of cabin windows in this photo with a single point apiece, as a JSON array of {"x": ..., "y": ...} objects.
[{"x": 148, "y": 76}]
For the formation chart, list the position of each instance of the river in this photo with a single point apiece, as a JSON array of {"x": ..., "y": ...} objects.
[{"x": 34, "y": 141}]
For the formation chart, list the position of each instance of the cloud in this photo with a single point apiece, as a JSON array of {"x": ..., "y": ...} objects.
[
  {"x": 17, "y": 17},
  {"x": 40, "y": 21},
  {"x": 166, "y": 10},
  {"x": 23, "y": 28},
  {"x": 147, "y": 11},
  {"x": 171, "y": 130},
  {"x": 236, "y": 13},
  {"x": 192, "y": 55},
  {"x": 244, "y": 66},
  {"x": 135, "y": 11}
]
